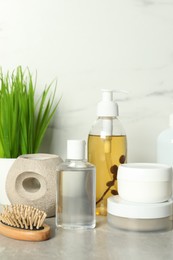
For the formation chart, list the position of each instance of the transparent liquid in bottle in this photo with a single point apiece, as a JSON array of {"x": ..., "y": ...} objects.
[{"x": 75, "y": 207}]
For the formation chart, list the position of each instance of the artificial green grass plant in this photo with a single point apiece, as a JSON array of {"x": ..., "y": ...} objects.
[{"x": 23, "y": 120}]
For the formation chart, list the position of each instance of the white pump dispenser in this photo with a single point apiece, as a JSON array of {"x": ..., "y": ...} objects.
[
  {"x": 107, "y": 148},
  {"x": 107, "y": 107}
]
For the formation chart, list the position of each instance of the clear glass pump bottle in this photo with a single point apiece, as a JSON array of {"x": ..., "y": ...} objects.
[
  {"x": 75, "y": 199},
  {"x": 107, "y": 149},
  {"x": 165, "y": 144}
]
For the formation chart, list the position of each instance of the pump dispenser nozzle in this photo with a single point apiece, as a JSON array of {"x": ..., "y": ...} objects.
[
  {"x": 107, "y": 106},
  {"x": 108, "y": 109}
]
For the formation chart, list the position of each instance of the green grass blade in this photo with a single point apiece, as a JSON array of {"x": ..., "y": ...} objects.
[{"x": 22, "y": 127}]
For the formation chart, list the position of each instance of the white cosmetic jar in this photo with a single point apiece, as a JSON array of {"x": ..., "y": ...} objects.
[
  {"x": 140, "y": 217},
  {"x": 144, "y": 182}
]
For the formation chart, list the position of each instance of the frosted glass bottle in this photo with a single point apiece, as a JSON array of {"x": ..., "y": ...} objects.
[
  {"x": 165, "y": 145},
  {"x": 107, "y": 149},
  {"x": 75, "y": 200}
]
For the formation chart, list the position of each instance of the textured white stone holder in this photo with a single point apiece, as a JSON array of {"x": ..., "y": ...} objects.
[{"x": 32, "y": 180}]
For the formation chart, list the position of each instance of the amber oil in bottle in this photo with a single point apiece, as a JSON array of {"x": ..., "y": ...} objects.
[{"x": 107, "y": 154}]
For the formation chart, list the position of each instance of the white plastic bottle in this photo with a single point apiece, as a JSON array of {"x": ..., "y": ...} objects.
[
  {"x": 75, "y": 200},
  {"x": 165, "y": 145},
  {"x": 107, "y": 148}
]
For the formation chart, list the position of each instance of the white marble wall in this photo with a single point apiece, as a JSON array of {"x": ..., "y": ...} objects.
[{"x": 92, "y": 44}]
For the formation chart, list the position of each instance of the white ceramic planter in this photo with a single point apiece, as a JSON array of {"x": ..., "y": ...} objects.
[{"x": 5, "y": 165}]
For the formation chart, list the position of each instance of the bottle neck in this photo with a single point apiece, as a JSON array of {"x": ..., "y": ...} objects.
[
  {"x": 75, "y": 160},
  {"x": 74, "y": 163},
  {"x": 107, "y": 117}
]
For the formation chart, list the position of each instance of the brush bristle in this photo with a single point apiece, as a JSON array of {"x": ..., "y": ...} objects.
[{"x": 23, "y": 216}]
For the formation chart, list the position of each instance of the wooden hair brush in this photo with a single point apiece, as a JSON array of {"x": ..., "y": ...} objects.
[{"x": 24, "y": 222}]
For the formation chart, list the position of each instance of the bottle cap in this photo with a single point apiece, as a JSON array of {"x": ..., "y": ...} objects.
[
  {"x": 144, "y": 172},
  {"x": 76, "y": 149}
]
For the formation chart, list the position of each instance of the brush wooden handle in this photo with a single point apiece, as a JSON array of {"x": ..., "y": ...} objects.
[{"x": 24, "y": 234}]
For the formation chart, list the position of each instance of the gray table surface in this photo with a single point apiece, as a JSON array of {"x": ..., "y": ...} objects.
[{"x": 104, "y": 242}]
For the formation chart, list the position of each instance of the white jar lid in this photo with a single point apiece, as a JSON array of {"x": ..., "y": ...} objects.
[
  {"x": 122, "y": 208},
  {"x": 144, "y": 172}
]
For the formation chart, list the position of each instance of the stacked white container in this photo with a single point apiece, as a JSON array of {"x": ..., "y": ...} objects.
[{"x": 144, "y": 202}]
